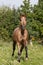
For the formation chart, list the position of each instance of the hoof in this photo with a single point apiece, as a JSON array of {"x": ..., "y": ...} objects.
[
  {"x": 18, "y": 60},
  {"x": 26, "y": 58}
]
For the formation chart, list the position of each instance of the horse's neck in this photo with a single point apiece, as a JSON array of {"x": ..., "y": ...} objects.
[{"x": 22, "y": 31}]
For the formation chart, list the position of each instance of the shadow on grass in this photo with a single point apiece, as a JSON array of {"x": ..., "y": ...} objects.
[
  {"x": 22, "y": 58},
  {"x": 16, "y": 57}
]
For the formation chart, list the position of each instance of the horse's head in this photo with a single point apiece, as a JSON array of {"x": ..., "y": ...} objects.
[{"x": 22, "y": 22}]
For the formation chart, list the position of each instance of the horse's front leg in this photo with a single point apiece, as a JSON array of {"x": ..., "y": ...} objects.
[
  {"x": 14, "y": 45},
  {"x": 19, "y": 53},
  {"x": 26, "y": 49}
]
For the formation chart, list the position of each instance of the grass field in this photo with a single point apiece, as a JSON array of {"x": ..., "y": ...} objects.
[{"x": 35, "y": 54}]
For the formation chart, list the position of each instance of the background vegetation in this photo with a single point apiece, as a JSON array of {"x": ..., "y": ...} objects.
[{"x": 9, "y": 19}]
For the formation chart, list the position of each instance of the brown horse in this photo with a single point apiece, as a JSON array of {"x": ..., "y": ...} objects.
[{"x": 20, "y": 37}]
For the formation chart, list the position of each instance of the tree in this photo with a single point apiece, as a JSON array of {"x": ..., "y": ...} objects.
[
  {"x": 38, "y": 12},
  {"x": 8, "y": 22}
]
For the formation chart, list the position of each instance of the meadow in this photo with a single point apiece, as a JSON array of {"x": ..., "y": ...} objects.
[{"x": 35, "y": 54}]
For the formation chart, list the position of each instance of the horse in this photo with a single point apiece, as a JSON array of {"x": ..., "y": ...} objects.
[{"x": 20, "y": 37}]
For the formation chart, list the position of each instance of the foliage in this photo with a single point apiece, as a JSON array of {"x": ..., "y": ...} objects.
[{"x": 9, "y": 19}]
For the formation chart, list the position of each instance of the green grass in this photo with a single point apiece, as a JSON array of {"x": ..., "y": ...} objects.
[{"x": 35, "y": 55}]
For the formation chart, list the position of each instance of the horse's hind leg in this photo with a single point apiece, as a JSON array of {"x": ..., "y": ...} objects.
[{"x": 14, "y": 44}]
